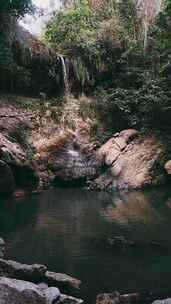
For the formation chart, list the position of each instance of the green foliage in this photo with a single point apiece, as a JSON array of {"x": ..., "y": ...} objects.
[
  {"x": 67, "y": 26},
  {"x": 148, "y": 106},
  {"x": 95, "y": 41}
]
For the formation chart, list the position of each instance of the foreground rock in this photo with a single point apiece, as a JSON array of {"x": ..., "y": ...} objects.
[
  {"x": 116, "y": 298},
  {"x": 38, "y": 273},
  {"x": 133, "y": 161},
  {"x": 14, "y": 291},
  {"x": 62, "y": 280},
  {"x": 131, "y": 298},
  {"x": 17, "y": 270}
]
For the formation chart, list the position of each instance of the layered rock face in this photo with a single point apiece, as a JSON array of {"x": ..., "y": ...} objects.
[
  {"x": 16, "y": 168},
  {"x": 133, "y": 161},
  {"x": 35, "y": 151}
]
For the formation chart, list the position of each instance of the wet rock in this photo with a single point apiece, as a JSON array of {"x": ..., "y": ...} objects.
[
  {"x": 38, "y": 273},
  {"x": 73, "y": 168},
  {"x": 7, "y": 183},
  {"x": 132, "y": 161},
  {"x": 131, "y": 298},
  {"x": 52, "y": 294},
  {"x": 17, "y": 270},
  {"x": 62, "y": 280},
  {"x": 16, "y": 292},
  {"x": 108, "y": 298},
  {"x": 64, "y": 299},
  {"x": 2, "y": 248}
]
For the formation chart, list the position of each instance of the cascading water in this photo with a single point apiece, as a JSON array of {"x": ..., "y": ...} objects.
[{"x": 65, "y": 76}]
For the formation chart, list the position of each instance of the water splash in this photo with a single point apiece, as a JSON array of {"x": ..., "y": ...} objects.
[{"x": 65, "y": 75}]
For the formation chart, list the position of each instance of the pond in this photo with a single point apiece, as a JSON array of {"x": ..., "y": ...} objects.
[{"x": 66, "y": 229}]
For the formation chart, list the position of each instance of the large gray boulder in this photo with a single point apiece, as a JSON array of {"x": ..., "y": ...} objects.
[
  {"x": 16, "y": 292},
  {"x": 133, "y": 161}
]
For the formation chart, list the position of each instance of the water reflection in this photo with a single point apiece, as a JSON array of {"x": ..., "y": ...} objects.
[
  {"x": 131, "y": 208},
  {"x": 58, "y": 228}
]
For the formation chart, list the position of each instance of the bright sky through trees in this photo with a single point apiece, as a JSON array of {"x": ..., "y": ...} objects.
[{"x": 36, "y": 24}]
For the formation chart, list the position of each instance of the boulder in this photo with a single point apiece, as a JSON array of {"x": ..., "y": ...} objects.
[
  {"x": 108, "y": 298},
  {"x": 17, "y": 270},
  {"x": 73, "y": 167},
  {"x": 52, "y": 294},
  {"x": 64, "y": 299},
  {"x": 133, "y": 160},
  {"x": 7, "y": 184},
  {"x": 16, "y": 292},
  {"x": 2, "y": 248},
  {"x": 62, "y": 280},
  {"x": 168, "y": 167},
  {"x": 38, "y": 273}
]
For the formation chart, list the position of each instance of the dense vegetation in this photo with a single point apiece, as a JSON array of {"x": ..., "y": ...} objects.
[
  {"x": 112, "y": 56},
  {"x": 9, "y": 70},
  {"x": 118, "y": 52},
  {"x": 23, "y": 68}
]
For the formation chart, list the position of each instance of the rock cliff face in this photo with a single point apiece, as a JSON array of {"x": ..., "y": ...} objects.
[
  {"x": 36, "y": 152},
  {"x": 28, "y": 66},
  {"x": 133, "y": 161}
]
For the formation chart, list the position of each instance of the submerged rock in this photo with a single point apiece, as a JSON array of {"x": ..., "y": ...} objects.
[
  {"x": 64, "y": 299},
  {"x": 108, "y": 298},
  {"x": 133, "y": 161},
  {"x": 2, "y": 248}
]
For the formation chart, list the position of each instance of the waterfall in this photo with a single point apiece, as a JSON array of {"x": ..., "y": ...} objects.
[{"x": 65, "y": 75}]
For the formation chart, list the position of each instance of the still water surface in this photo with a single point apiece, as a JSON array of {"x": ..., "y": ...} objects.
[{"x": 65, "y": 228}]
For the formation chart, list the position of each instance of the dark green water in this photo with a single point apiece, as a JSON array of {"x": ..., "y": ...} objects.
[{"x": 59, "y": 228}]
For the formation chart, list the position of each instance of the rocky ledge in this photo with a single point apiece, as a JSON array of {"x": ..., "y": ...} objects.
[{"x": 22, "y": 283}]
